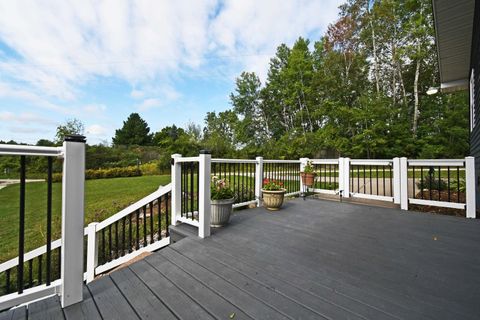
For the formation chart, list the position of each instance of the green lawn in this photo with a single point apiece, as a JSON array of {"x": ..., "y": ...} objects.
[{"x": 103, "y": 198}]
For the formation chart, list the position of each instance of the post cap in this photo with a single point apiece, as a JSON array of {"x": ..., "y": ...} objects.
[
  {"x": 205, "y": 152},
  {"x": 75, "y": 138}
]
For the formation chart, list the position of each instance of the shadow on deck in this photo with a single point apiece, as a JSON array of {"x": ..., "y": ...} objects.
[{"x": 314, "y": 259}]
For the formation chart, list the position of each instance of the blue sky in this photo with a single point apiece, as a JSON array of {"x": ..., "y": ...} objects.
[{"x": 170, "y": 61}]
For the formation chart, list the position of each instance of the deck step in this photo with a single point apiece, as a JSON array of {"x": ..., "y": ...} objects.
[{"x": 181, "y": 231}]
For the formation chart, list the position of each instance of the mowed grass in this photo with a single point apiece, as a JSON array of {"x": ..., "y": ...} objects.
[{"x": 103, "y": 198}]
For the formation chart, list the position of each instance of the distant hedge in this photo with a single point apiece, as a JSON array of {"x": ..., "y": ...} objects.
[{"x": 132, "y": 171}]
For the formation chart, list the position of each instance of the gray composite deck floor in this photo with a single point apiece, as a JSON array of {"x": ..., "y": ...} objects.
[{"x": 314, "y": 259}]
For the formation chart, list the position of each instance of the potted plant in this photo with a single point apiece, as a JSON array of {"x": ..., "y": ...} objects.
[
  {"x": 273, "y": 194},
  {"x": 308, "y": 174},
  {"x": 222, "y": 199}
]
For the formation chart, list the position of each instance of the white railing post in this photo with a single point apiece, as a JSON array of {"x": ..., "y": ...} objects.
[
  {"x": 92, "y": 251},
  {"x": 346, "y": 177},
  {"x": 303, "y": 163},
  {"x": 73, "y": 189},
  {"x": 396, "y": 180},
  {"x": 403, "y": 168},
  {"x": 470, "y": 187},
  {"x": 204, "y": 162},
  {"x": 258, "y": 180},
  {"x": 176, "y": 189}
]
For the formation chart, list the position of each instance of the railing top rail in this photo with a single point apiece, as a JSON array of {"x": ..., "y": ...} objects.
[
  {"x": 324, "y": 161},
  {"x": 437, "y": 162},
  {"x": 281, "y": 161},
  {"x": 222, "y": 160},
  {"x": 21, "y": 150},
  {"x": 137, "y": 205},
  {"x": 368, "y": 162},
  {"x": 186, "y": 159}
]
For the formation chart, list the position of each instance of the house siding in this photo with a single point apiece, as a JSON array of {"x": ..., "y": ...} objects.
[{"x": 475, "y": 133}]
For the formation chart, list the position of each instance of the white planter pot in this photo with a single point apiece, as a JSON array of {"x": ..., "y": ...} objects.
[{"x": 221, "y": 211}]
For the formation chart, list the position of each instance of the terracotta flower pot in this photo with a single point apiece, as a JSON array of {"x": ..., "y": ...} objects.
[
  {"x": 220, "y": 212},
  {"x": 273, "y": 200},
  {"x": 308, "y": 179}
]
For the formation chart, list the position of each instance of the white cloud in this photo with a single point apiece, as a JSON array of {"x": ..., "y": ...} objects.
[
  {"x": 96, "y": 130},
  {"x": 149, "y": 104},
  {"x": 64, "y": 44},
  {"x": 94, "y": 109},
  {"x": 25, "y": 118}
]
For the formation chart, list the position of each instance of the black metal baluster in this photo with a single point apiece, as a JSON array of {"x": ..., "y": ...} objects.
[
  {"x": 243, "y": 182},
  {"x": 130, "y": 233},
  {"x": 40, "y": 269},
  {"x": 137, "y": 234},
  {"x": 376, "y": 173},
  {"x": 370, "y": 172},
  {"x": 430, "y": 180},
  {"x": 185, "y": 191},
  {"x": 358, "y": 179},
  {"x": 21, "y": 229},
  {"x": 458, "y": 184},
  {"x": 413, "y": 169},
  {"x": 144, "y": 226},
  {"x": 448, "y": 182},
  {"x": 422, "y": 182},
  {"x": 166, "y": 214},
  {"x": 151, "y": 222},
  {"x": 49, "y": 219},
  {"x": 238, "y": 183},
  {"x": 59, "y": 261},
  {"x": 124, "y": 221},
  {"x": 30, "y": 273},
  {"x": 116, "y": 240},
  {"x": 391, "y": 182},
  {"x": 439, "y": 182},
  {"x": 383, "y": 173},
  {"x": 104, "y": 253},
  {"x": 364, "y": 182},
  {"x": 110, "y": 255},
  {"x": 352, "y": 181},
  {"x": 192, "y": 192},
  {"x": 159, "y": 206},
  {"x": 7, "y": 281},
  {"x": 234, "y": 179}
]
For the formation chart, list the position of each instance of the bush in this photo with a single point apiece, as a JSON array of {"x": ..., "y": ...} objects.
[
  {"x": 432, "y": 183},
  {"x": 90, "y": 174},
  {"x": 458, "y": 185},
  {"x": 150, "y": 168}
]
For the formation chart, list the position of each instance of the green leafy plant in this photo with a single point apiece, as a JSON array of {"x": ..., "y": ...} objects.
[
  {"x": 219, "y": 189},
  {"x": 458, "y": 185},
  {"x": 432, "y": 183},
  {"x": 308, "y": 168},
  {"x": 272, "y": 185}
]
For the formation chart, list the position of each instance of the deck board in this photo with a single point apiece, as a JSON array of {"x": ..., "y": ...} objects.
[
  {"x": 109, "y": 300},
  {"x": 84, "y": 310},
  {"x": 313, "y": 259}
]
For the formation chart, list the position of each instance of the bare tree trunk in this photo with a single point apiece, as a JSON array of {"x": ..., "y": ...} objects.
[
  {"x": 402, "y": 84},
  {"x": 415, "y": 92},
  {"x": 374, "y": 48}
]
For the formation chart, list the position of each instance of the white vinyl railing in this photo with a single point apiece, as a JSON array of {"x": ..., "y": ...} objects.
[
  {"x": 392, "y": 180},
  {"x": 71, "y": 260}
]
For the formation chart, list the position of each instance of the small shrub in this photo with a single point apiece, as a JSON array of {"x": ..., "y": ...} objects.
[
  {"x": 150, "y": 168},
  {"x": 92, "y": 174},
  {"x": 458, "y": 185},
  {"x": 430, "y": 182}
]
